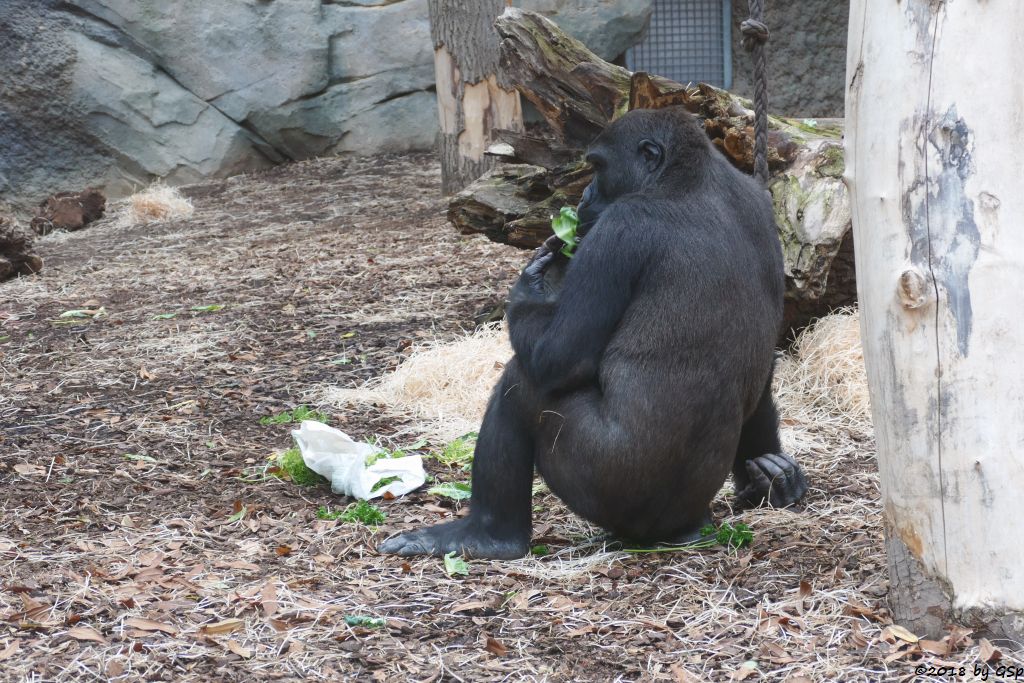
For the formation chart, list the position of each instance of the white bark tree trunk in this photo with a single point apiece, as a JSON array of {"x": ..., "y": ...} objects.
[
  {"x": 935, "y": 162},
  {"x": 473, "y": 98}
]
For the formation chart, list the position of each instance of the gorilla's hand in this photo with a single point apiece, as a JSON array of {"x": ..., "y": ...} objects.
[
  {"x": 775, "y": 478},
  {"x": 534, "y": 272}
]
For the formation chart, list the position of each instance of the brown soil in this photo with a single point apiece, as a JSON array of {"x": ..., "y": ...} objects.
[{"x": 141, "y": 541}]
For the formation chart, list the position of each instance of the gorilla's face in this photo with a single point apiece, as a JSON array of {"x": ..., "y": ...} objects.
[{"x": 624, "y": 158}]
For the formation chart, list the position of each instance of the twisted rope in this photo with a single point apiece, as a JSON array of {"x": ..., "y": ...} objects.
[{"x": 755, "y": 35}]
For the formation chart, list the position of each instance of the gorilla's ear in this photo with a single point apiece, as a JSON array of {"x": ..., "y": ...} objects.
[{"x": 652, "y": 153}]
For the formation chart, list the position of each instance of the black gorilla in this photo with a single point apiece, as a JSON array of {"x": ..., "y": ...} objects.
[{"x": 642, "y": 368}]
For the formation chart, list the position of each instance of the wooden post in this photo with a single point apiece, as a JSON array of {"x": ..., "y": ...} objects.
[
  {"x": 934, "y": 163},
  {"x": 473, "y": 99}
]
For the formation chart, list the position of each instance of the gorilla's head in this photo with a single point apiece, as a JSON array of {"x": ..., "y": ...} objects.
[{"x": 644, "y": 150}]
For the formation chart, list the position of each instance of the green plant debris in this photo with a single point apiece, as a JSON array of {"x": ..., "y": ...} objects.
[
  {"x": 348, "y": 335},
  {"x": 459, "y": 452},
  {"x": 564, "y": 225},
  {"x": 734, "y": 537},
  {"x": 212, "y": 308},
  {"x": 324, "y": 512},
  {"x": 454, "y": 564},
  {"x": 295, "y": 415},
  {"x": 456, "y": 490},
  {"x": 291, "y": 466},
  {"x": 238, "y": 516},
  {"x": 540, "y": 550},
  {"x": 165, "y": 316},
  {"x": 84, "y": 313},
  {"x": 365, "y": 622},
  {"x": 362, "y": 512}
]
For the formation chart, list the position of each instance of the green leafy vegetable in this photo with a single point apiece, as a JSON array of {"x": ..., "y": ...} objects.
[
  {"x": 454, "y": 564},
  {"x": 564, "y": 225},
  {"x": 365, "y": 622},
  {"x": 291, "y": 466},
  {"x": 456, "y": 490},
  {"x": 728, "y": 535},
  {"x": 384, "y": 482},
  {"x": 459, "y": 452}
]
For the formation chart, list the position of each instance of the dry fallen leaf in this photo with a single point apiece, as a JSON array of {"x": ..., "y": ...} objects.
[
  {"x": 27, "y": 469},
  {"x": 149, "y": 625},
  {"x": 897, "y": 631},
  {"x": 746, "y": 669},
  {"x": 805, "y": 589},
  {"x": 682, "y": 675},
  {"x": 268, "y": 598},
  {"x": 87, "y": 633},
  {"x": 10, "y": 650},
  {"x": 987, "y": 652},
  {"x": 239, "y": 649},
  {"x": 935, "y": 647},
  {"x": 226, "y": 626},
  {"x": 471, "y": 605},
  {"x": 495, "y": 647}
]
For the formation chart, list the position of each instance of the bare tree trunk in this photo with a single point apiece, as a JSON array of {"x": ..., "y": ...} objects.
[
  {"x": 938, "y": 219},
  {"x": 472, "y": 97}
]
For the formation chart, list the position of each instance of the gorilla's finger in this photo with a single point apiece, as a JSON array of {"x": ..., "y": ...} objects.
[
  {"x": 759, "y": 480},
  {"x": 783, "y": 461},
  {"x": 768, "y": 466}
]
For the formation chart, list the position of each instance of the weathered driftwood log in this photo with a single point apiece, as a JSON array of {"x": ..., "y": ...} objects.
[{"x": 578, "y": 94}]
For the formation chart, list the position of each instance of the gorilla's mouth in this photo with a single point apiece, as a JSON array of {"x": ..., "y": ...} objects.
[{"x": 586, "y": 211}]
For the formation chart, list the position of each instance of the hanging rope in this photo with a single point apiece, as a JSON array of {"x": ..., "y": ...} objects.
[{"x": 755, "y": 35}]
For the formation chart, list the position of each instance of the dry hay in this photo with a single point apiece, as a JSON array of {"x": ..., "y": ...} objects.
[
  {"x": 158, "y": 202},
  {"x": 442, "y": 385},
  {"x": 445, "y": 385},
  {"x": 823, "y": 380}
]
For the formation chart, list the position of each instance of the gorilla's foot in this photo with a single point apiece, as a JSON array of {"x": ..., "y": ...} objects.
[
  {"x": 776, "y": 478},
  {"x": 462, "y": 536}
]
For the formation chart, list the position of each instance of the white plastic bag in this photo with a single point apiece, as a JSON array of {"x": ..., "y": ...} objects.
[{"x": 331, "y": 453}]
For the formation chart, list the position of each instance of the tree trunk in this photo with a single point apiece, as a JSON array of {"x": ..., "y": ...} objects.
[
  {"x": 579, "y": 94},
  {"x": 940, "y": 259},
  {"x": 473, "y": 98}
]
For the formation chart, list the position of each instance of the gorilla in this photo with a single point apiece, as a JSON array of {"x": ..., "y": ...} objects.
[{"x": 643, "y": 364}]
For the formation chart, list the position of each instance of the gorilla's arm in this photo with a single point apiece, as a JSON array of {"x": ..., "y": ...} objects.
[{"x": 559, "y": 338}]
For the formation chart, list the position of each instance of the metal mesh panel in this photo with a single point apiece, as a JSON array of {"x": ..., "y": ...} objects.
[{"x": 687, "y": 41}]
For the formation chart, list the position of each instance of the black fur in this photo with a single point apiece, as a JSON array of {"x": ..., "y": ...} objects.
[{"x": 642, "y": 372}]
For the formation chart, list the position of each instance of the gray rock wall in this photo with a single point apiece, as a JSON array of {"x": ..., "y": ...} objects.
[
  {"x": 118, "y": 92},
  {"x": 806, "y": 56}
]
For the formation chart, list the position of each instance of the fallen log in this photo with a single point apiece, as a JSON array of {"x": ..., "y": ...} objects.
[{"x": 578, "y": 94}]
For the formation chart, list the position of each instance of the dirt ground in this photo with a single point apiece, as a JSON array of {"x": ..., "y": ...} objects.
[{"x": 139, "y": 539}]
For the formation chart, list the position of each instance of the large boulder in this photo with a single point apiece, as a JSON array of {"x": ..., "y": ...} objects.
[{"x": 115, "y": 93}]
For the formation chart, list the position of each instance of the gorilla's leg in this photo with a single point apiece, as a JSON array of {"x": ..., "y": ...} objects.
[
  {"x": 762, "y": 471},
  {"x": 499, "y": 522}
]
